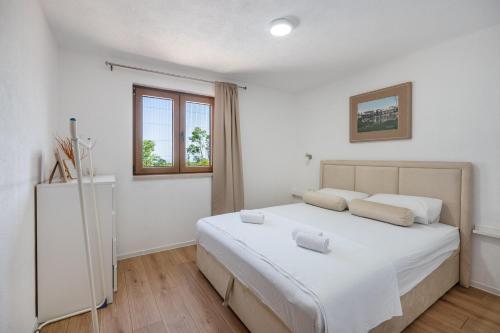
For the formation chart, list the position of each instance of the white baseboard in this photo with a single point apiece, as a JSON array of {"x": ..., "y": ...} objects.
[
  {"x": 485, "y": 287},
  {"x": 155, "y": 249}
]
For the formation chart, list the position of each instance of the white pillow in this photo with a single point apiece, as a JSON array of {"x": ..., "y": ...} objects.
[
  {"x": 347, "y": 195},
  {"x": 426, "y": 210}
]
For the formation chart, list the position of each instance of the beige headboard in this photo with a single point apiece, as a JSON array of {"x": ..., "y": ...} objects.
[{"x": 448, "y": 181}]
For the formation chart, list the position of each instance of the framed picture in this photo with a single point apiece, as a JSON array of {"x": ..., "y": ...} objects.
[{"x": 383, "y": 114}]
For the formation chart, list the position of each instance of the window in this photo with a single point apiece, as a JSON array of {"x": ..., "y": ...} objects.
[{"x": 172, "y": 132}]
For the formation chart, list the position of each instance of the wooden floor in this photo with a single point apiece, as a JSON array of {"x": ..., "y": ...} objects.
[{"x": 165, "y": 292}]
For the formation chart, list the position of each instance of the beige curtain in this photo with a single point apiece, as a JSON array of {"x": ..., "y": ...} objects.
[{"x": 227, "y": 181}]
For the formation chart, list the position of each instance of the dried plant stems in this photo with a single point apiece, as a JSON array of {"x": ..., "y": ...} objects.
[{"x": 65, "y": 145}]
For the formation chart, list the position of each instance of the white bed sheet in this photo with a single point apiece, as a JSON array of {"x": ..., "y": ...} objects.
[{"x": 414, "y": 252}]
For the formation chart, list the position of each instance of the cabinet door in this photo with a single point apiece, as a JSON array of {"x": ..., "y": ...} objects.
[{"x": 62, "y": 281}]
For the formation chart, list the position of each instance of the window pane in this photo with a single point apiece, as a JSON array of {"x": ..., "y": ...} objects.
[
  {"x": 157, "y": 132},
  {"x": 197, "y": 134}
]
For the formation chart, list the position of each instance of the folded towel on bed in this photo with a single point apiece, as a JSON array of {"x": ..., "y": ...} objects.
[
  {"x": 252, "y": 216},
  {"x": 306, "y": 229},
  {"x": 318, "y": 243}
]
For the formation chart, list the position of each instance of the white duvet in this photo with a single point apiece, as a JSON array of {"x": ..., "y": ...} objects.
[
  {"x": 350, "y": 289},
  {"x": 414, "y": 251}
]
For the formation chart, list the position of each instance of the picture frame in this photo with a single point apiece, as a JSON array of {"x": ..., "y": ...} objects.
[
  {"x": 60, "y": 166},
  {"x": 383, "y": 114}
]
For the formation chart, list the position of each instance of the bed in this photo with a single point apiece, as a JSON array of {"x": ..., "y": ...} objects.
[{"x": 434, "y": 259}]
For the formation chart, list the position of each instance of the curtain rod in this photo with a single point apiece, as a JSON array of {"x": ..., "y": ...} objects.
[{"x": 111, "y": 65}]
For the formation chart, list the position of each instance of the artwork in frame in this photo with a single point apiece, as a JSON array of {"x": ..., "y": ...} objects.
[{"x": 383, "y": 114}]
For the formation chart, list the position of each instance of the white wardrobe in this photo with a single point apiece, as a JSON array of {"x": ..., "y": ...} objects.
[{"x": 62, "y": 282}]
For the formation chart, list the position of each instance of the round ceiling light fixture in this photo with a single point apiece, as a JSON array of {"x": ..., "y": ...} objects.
[{"x": 281, "y": 27}]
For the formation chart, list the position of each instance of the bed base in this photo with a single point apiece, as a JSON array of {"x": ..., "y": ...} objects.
[{"x": 258, "y": 318}]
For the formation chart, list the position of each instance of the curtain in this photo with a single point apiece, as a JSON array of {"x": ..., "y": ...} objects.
[{"x": 227, "y": 177}]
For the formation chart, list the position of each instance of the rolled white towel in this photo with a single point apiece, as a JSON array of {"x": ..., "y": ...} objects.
[
  {"x": 305, "y": 229},
  {"x": 252, "y": 216},
  {"x": 312, "y": 242}
]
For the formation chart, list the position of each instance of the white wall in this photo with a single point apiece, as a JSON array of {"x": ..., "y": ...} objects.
[
  {"x": 161, "y": 211},
  {"x": 456, "y": 117},
  {"x": 269, "y": 134},
  {"x": 27, "y": 98}
]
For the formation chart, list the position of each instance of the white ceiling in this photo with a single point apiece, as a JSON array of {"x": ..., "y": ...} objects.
[{"x": 231, "y": 37}]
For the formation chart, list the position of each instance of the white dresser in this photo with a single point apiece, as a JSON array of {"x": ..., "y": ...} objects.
[{"x": 62, "y": 282}]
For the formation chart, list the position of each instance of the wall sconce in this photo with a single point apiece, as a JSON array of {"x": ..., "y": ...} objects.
[{"x": 309, "y": 156}]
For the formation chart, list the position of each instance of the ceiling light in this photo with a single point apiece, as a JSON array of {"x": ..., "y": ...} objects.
[{"x": 281, "y": 27}]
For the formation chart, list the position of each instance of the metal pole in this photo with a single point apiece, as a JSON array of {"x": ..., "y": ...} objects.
[
  {"x": 112, "y": 65},
  {"x": 90, "y": 270},
  {"x": 98, "y": 222}
]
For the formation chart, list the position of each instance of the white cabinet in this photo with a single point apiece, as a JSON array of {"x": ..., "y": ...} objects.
[{"x": 62, "y": 281}]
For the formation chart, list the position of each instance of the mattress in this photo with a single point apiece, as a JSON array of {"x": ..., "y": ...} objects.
[{"x": 413, "y": 253}]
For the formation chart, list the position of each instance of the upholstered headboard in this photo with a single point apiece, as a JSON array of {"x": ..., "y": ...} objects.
[{"x": 448, "y": 181}]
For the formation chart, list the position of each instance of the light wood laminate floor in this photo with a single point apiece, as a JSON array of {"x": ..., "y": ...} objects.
[{"x": 164, "y": 292}]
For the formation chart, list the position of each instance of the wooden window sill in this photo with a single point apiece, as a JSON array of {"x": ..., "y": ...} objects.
[{"x": 173, "y": 176}]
